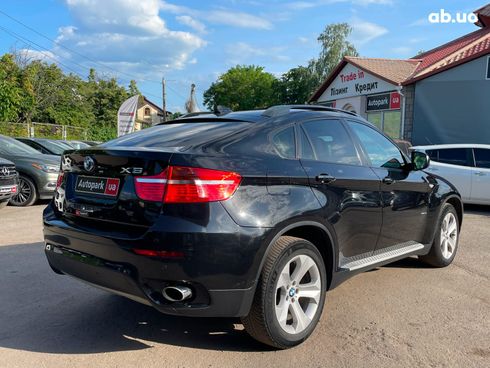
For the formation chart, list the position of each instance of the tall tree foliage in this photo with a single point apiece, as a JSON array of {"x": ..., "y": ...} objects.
[
  {"x": 10, "y": 88},
  {"x": 239, "y": 87},
  {"x": 34, "y": 91},
  {"x": 334, "y": 46}
]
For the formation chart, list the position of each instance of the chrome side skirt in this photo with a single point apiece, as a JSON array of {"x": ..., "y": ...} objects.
[{"x": 380, "y": 256}]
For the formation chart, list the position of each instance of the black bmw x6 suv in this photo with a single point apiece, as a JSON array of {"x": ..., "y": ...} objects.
[{"x": 254, "y": 214}]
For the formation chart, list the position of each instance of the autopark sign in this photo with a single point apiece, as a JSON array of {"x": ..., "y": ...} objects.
[
  {"x": 385, "y": 101},
  {"x": 353, "y": 81}
]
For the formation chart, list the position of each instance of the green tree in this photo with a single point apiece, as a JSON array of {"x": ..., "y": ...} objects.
[
  {"x": 242, "y": 87},
  {"x": 296, "y": 85},
  {"x": 10, "y": 89},
  {"x": 176, "y": 115},
  {"x": 245, "y": 87},
  {"x": 133, "y": 88},
  {"x": 334, "y": 46},
  {"x": 105, "y": 97}
]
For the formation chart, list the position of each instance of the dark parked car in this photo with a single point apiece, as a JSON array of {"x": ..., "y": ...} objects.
[
  {"x": 91, "y": 143},
  {"x": 37, "y": 172},
  {"x": 252, "y": 214},
  {"x": 8, "y": 181},
  {"x": 76, "y": 144},
  {"x": 46, "y": 146}
]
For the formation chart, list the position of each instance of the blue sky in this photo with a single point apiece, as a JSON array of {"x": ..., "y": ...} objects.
[{"x": 195, "y": 41}]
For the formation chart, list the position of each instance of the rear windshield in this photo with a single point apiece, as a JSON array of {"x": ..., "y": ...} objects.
[{"x": 177, "y": 135}]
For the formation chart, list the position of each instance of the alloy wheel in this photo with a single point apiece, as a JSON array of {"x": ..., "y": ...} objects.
[
  {"x": 449, "y": 235},
  {"x": 24, "y": 193},
  {"x": 298, "y": 292}
]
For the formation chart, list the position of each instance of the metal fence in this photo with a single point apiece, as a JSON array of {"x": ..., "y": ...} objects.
[{"x": 41, "y": 130}]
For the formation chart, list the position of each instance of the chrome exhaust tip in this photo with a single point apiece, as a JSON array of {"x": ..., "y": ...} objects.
[{"x": 176, "y": 293}]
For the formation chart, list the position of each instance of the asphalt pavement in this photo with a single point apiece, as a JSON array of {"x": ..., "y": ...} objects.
[{"x": 402, "y": 315}]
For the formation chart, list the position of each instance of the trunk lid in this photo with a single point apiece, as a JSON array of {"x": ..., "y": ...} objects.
[{"x": 98, "y": 186}]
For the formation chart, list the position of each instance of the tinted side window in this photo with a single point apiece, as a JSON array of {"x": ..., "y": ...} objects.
[
  {"x": 433, "y": 154},
  {"x": 453, "y": 156},
  {"x": 482, "y": 157},
  {"x": 306, "y": 148},
  {"x": 284, "y": 143},
  {"x": 331, "y": 142},
  {"x": 379, "y": 149}
]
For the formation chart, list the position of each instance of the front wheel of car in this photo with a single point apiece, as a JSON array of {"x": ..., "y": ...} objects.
[
  {"x": 26, "y": 193},
  {"x": 446, "y": 241},
  {"x": 290, "y": 295}
]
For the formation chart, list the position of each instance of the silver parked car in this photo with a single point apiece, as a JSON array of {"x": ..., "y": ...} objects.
[
  {"x": 38, "y": 173},
  {"x": 466, "y": 166}
]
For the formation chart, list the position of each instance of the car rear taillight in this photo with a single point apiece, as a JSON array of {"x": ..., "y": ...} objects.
[
  {"x": 179, "y": 184},
  {"x": 60, "y": 179},
  {"x": 151, "y": 188},
  {"x": 193, "y": 184}
]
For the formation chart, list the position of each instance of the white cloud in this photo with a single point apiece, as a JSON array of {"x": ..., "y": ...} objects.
[
  {"x": 300, "y": 5},
  {"x": 29, "y": 55},
  {"x": 402, "y": 50},
  {"x": 364, "y": 32},
  {"x": 118, "y": 15},
  {"x": 420, "y": 22},
  {"x": 242, "y": 52},
  {"x": 237, "y": 19},
  {"x": 191, "y": 22},
  {"x": 304, "y": 40},
  {"x": 127, "y": 35},
  {"x": 220, "y": 16}
]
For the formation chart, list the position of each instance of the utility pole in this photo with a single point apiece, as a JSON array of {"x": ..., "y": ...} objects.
[{"x": 164, "y": 101}]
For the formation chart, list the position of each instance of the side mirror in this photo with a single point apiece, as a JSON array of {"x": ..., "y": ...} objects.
[{"x": 420, "y": 160}]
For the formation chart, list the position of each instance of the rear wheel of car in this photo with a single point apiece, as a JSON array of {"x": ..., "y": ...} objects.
[
  {"x": 26, "y": 193},
  {"x": 445, "y": 243},
  {"x": 290, "y": 295}
]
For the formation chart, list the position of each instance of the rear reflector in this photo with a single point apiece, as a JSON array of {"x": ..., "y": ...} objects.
[
  {"x": 178, "y": 184},
  {"x": 60, "y": 179},
  {"x": 159, "y": 253}
]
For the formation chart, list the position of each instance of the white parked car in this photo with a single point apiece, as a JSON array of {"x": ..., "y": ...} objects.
[{"x": 467, "y": 166}]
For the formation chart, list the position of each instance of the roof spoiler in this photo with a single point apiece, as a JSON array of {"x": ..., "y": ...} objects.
[{"x": 284, "y": 109}]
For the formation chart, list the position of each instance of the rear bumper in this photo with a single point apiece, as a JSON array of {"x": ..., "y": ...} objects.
[{"x": 221, "y": 275}]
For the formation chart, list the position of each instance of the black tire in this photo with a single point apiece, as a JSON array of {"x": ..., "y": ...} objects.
[
  {"x": 436, "y": 257},
  {"x": 27, "y": 193},
  {"x": 261, "y": 322}
]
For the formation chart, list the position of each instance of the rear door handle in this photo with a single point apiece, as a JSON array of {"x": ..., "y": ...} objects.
[
  {"x": 388, "y": 180},
  {"x": 324, "y": 178},
  {"x": 480, "y": 173}
]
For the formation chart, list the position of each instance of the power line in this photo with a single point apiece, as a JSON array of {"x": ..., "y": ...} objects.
[
  {"x": 85, "y": 56},
  {"x": 39, "y": 48},
  {"x": 70, "y": 49},
  {"x": 46, "y": 53}
]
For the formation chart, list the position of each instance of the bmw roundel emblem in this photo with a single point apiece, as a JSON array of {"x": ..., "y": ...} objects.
[{"x": 89, "y": 164}]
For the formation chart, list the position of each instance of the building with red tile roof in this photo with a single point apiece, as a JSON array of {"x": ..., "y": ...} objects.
[{"x": 430, "y": 98}]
